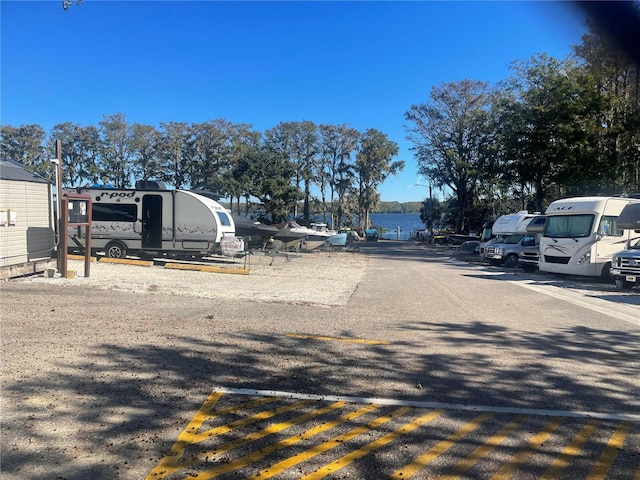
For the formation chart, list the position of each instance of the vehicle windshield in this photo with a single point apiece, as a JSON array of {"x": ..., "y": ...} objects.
[
  {"x": 513, "y": 239},
  {"x": 486, "y": 234},
  {"x": 569, "y": 226},
  {"x": 636, "y": 246}
]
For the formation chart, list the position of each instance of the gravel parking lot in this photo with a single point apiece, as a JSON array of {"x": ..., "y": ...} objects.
[
  {"x": 101, "y": 374},
  {"x": 320, "y": 278}
]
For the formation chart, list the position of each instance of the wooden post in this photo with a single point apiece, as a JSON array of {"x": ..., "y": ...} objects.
[
  {"x": 61, "y": 233},
  {"x": 87, "y": 250},
  {"x": 62, "y": 245}
]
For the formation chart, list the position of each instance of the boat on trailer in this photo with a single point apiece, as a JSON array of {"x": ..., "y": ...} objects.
[
  {"x": 254, "y": 233},
  {"x": 298, "y": 237}
]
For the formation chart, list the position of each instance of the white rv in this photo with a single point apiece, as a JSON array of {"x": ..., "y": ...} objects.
[
  {"x": 524, "y": 240},
  {"x": 581, "y": 235},
  {"x": 153, "y": 222},
  {"x": 502, "y": 227}
]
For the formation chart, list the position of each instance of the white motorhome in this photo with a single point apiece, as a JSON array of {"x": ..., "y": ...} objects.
[
  {"x": 504, "y": 226},
  {"x": 581, "y": 235},
  {"x": 153, "y": 222},
  {"x": 510, "y": 250}
]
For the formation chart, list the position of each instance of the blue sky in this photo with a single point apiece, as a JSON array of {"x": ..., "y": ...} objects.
[{"x": 359, "y": 63}]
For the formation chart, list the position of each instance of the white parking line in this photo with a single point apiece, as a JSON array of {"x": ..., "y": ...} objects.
[
  {"x": 447, "y": 406},
  {"x": 591, "y": 303}
]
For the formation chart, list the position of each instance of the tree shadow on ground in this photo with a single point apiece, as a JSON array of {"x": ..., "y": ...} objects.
[{"x": 132, "y": 401}]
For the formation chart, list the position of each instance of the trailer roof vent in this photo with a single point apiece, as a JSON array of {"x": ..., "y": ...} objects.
[{"x": 150, "y": 185}]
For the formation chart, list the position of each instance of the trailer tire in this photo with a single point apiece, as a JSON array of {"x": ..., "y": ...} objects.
[
  {"x": 511, "y": 261},
  {"x": 116, "y": 250}
]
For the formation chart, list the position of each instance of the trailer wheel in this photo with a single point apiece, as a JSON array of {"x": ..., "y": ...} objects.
[
  {"x": 116, "y": 250},
  {"x": 511, "y": 261}
]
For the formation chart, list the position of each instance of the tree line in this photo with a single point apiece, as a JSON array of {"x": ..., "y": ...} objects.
[
  {"x": 556, "y": 128},
  {"x": 278, "y": 167}
]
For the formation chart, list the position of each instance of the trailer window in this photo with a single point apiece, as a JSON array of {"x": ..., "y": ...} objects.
[
  {"x": 112, "y": 212},
  {"x": 224, "y": 219},
  {"x": 568, "y": 226},
  {"x": 609, "y": 226}
]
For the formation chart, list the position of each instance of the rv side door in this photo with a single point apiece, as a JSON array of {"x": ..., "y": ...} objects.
[{"x": 152, "y": 221}]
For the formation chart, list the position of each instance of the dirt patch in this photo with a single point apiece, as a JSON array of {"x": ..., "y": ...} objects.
[{"x": 322, "y": 278}]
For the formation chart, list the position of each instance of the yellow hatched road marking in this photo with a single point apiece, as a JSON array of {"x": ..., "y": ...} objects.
[
  {"x": 338, "y": 339},
  {"x": 370, "y": 447},
  {"x": 519, "y": 458},
  {"x": 285, "y": 464},
  {"x": 440, "y": 448},
  {"x": 199, "y": 437},
  {"x": 178, "y": 448},
  {"x": 559, "y": 465},
  {"x": 193, "y": 439},
  {"x": 328, "y": 444},
  {"x": 482, "y": 451},
  {"x": 181, "y": 454},
  {"x": 610, "y": 452},
  {"x": 248, "y": 459}
]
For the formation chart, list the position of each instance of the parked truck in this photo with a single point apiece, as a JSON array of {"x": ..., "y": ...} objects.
[
  {"x": 503, "y": 227},
  {"x": 508, "y": 252},
  {"x": 625, "y": 265},
  {"x": 153, "y": 221}
]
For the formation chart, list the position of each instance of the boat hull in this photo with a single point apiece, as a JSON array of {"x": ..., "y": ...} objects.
[
  {"x": 314, "y": 241},
  {"x": 338, "y": 240}
]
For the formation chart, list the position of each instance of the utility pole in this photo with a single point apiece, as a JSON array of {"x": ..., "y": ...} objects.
[{"x": 430, "y": 212}]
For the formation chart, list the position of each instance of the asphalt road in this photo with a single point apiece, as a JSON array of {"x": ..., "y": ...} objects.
[{"x": 438, "y": 367}]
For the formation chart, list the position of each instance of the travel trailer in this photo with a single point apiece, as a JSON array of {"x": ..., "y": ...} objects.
[
  {"x": 581, "y": 234},
  {"x": 153, "y": 221}
]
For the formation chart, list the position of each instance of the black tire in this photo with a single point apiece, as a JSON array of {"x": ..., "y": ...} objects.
[
  {"x": 605, "y": 276},
  {"x": 115, "y": 250},
  {"x": 511, "y": 261},
  {"x": 623, "y": 284},
  {"x": 529, "y": 268}
]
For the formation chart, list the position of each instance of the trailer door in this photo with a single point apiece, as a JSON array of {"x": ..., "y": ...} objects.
[{"x": 152, "y": 221}]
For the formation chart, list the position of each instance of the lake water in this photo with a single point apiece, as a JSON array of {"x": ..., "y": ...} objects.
[{"x": 389, "y": 223}]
